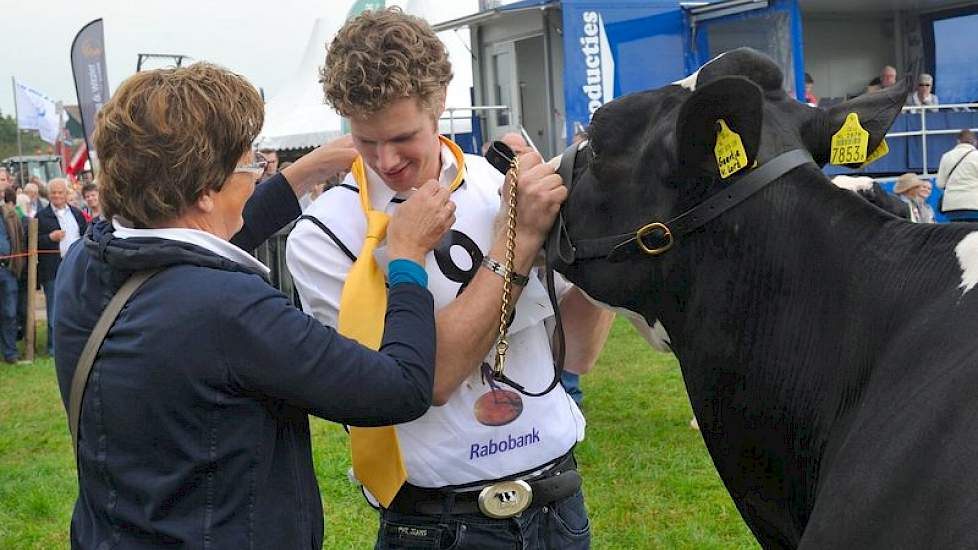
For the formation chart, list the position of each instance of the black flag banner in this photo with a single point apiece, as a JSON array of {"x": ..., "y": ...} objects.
[{"x": 91, "y": 81}]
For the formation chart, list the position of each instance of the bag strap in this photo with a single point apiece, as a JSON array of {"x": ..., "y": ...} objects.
[
  {"x": 84, "y": 367},
  {"x": 956, "y": 164}
]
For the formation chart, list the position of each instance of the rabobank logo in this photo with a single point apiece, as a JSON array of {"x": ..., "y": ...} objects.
[{"x": 599, "y": 65}]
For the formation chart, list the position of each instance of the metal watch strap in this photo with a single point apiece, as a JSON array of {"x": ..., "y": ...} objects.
[
  {"x": 84, "y": 367},
  {"x": 500, "y": 269}
]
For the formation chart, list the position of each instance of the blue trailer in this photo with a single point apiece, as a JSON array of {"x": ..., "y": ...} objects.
[{"x": 555, "y": 62}]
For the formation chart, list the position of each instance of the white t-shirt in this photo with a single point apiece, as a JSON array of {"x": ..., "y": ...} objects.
[{"x": 480, "y": 433}]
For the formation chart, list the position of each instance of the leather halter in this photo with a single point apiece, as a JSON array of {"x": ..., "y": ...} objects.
[{"x": 616, "y": 248}]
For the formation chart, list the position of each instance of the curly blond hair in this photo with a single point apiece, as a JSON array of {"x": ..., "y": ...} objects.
[
  {"x": 383, "y": 56},
  {"x": 168, "y": 135}
]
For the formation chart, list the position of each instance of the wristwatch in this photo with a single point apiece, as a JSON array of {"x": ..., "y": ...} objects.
[{"x": 500, "y": 269}]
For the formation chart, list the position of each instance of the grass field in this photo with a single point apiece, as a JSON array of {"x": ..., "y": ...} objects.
[{"x": 649, "y": 482}]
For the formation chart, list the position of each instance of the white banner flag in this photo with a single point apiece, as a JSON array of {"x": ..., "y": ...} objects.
[{"x": 36, "y": 111}]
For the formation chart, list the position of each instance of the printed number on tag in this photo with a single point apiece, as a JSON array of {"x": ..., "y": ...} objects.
[
  {"x": 729, "y": 150},
  {"x": 851, "y": 143},
  {"x": 880, "y": 151}
]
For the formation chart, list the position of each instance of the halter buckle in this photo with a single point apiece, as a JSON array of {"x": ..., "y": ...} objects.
[{"x": 645, "y": 230}]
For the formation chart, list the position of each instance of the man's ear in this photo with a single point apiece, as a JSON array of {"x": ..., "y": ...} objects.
[
  {"x": 876, "y": 111},
  {"x": 734, "y": 99}
]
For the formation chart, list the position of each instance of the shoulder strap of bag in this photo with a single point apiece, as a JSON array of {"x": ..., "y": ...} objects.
[
  {"x": 80, "y": 379},
  {"x": 956, "y": 164}
]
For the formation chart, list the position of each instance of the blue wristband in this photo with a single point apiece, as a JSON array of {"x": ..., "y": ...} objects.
[{"x": 403, "y": 270}]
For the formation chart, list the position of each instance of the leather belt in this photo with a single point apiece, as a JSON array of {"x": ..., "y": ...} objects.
[{"x": 558, "y": 482}]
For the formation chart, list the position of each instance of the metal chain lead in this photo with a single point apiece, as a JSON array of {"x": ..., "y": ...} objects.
[{"x": 502, "y": 345}]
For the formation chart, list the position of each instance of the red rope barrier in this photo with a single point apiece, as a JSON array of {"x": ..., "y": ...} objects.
[{"x": 24, "y": 254}]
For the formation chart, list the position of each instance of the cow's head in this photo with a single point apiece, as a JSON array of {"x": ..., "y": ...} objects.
[{"x": 650, "y": 157}]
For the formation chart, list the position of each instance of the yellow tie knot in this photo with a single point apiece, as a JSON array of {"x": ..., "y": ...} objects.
[{"x": 377, "y": 224}]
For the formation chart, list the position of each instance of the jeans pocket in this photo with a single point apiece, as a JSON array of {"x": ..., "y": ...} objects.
[
  {"x": 570, "y": 517},
  {"x": 407, "y": 534}
]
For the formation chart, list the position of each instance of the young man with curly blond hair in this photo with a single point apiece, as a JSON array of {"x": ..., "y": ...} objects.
[{"x": 473, "y": 460}]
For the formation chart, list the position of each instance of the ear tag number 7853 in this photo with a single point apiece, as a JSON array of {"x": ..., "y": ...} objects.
[{"x": 851, "y": 143}]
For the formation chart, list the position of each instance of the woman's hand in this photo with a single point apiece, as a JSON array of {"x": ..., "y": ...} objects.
[
  {"x": 321, "y": 164},
  {"x": 420, "y": 222}
]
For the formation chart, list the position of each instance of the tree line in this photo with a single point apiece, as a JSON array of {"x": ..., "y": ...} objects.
[{"x": 31, "y": 142}]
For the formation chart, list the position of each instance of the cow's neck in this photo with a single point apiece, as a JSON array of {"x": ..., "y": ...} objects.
[{"x": 776, "y": 319}]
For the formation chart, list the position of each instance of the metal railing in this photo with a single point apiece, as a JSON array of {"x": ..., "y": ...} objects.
[
  {"x": 475, "y": 108},
  {"x": 272, "y": 254},
  {"x": 924, "y": 132}
]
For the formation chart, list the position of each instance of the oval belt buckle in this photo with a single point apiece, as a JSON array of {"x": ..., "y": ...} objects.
[
  {"x": 505, "y": 499},
  {"x": 645, "y": 230}
]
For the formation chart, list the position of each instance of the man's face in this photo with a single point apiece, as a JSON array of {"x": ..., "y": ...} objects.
[
  {"x": 58, "y": 195},
  {"x": 4, "y": 180},
  {"x": 271, "y": 168},
  {"x": 888, "y": 77},
  {"x": 91, "y": 199},
  {"x": 400, "y": 143},
  {"x": 31, "y": 190}
]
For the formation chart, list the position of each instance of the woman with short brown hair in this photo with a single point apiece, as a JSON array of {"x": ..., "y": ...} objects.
[{"x": 193, "y": 428}]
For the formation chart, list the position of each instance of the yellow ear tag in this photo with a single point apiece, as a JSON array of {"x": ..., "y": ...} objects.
[
  {"x": 850, "y": 143},
  {"x": 729, "y": 150},
  {"x": 880, "y": 151}
]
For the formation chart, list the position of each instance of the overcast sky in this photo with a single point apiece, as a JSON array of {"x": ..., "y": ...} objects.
[{"x": 262, "y": 40}]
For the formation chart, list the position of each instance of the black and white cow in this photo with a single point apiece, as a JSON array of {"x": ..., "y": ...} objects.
[{"x": 830, "y": 350}]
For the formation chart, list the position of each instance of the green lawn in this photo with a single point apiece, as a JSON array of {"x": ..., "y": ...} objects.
[{"x": 648, "y": 479}]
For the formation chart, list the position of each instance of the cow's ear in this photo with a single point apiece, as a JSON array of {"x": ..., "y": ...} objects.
[
  {"x": 876, "y": 112},
  {"x": 733, "y": 99}
]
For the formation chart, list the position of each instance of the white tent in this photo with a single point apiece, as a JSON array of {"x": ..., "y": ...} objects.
[{"x": 296, "y": 117}]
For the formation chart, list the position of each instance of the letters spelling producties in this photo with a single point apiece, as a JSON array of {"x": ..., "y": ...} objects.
[{"x": 591, "y": 48}]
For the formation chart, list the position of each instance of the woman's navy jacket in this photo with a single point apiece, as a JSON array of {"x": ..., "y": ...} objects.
[{"x": 194, "y": 429}]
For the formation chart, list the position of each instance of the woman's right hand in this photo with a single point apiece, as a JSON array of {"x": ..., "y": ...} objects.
[
  {"x": 420, "y": 222},
  {"x": 320, "y": 164}
]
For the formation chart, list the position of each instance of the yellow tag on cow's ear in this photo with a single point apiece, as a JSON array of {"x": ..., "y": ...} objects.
[
  {"x": 729, "y": 150},
  {"x": 851, "y": 143},
  {"x": 880, "y": 151}
]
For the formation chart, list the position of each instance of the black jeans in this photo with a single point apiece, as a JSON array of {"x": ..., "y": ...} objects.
[{"x": 560, "y": 525}]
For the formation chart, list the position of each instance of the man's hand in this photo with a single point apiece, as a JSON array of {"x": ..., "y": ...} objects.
[
  {"x": 57, "y": 235},
  {"x": 419, "y": 224},
  {"x": 539, "y": 194},
  {"x": 321, "y": 164}
]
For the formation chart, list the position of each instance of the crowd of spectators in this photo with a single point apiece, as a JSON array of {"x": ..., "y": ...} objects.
[{"x": 63, "y": 208}]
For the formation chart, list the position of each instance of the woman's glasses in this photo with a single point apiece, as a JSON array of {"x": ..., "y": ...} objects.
[{"x": 257, "y": 168}]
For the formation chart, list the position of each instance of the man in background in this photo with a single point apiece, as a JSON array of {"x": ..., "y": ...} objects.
[
  {"x": 58, "y": 226},
  {"x": 271, "y": 160},
  {"x": 5, "y": 180},
  {"x": 11, "y": 244},
  {"x": 957, "y": 175},
  {"x": 887, "y": 78},
  {"x": 36, "y": 201}
]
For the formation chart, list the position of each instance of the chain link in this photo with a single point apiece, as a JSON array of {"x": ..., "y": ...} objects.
[{"x": 502, "y": 344}]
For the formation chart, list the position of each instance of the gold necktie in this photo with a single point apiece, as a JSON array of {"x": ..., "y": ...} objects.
[{"x": 377, "y": 460}]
